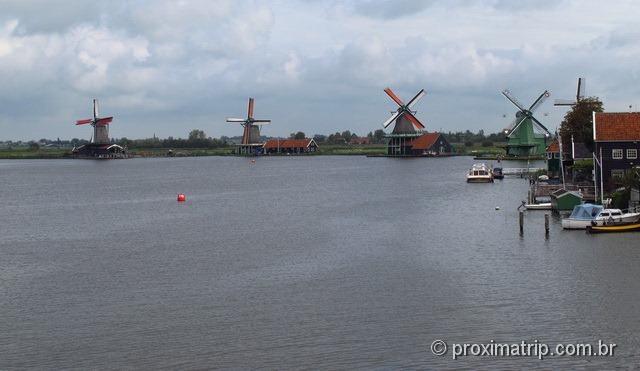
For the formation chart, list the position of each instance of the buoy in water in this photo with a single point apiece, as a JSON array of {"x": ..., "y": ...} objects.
[
  {"x": 181, "y": 197},
  {"x": 497, "y": 207}
]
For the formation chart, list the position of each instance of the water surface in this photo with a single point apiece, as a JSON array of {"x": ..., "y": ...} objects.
[{"x": 297, "y": 262}]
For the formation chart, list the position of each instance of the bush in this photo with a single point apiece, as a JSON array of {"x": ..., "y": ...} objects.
[
  {"x": 487, "y": 143},
  {"x": 468, "y": 144}
]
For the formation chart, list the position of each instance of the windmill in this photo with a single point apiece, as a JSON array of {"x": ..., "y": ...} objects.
[
  {"x": 100, "y": 126},
  {"x": 522, "y": 140},
  {"x": 404, "y": 117},
  {"x": 251, "y": 134},
  {"x": 99, "y": 146},
  {"x": 579, "y": 95}
]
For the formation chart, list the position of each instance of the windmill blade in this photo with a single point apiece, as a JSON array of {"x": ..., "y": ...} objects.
[
  {"x": 541, "y": 126},
  {"x": 539, "y": 101},
  {"x": 414, "y": 120},
  {"x": 415, "y": 99},
  {"x": 513, "y": 123},
  {"x": 564, "y": 102},
  {"x": 581, "y": 88},
  {"x": 393, "y": 117},
  {"x": 230, "y": 119},
  {"x": 393, "y": 96},
  {"x": 84, "y": 121},
  {"x": 104, "y": 121},
  {"x": 516, "y": 126},
  {"x": 261, "y": 122},
  {"x": 513, "y": 100},
  {"x": 95, "y": 109},
  {"x": 250, "y": 108}
]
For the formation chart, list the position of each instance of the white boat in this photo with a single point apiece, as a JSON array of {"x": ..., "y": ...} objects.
[
  {"x": 540, "y": 206},
  {"x": 480, "y": 173},
  {"x": 596, "y": 215}
]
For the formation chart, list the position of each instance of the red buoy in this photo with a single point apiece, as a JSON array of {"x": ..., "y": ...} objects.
[{"x": 181, "y": 197}]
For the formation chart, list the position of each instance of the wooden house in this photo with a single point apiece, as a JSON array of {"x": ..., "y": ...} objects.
[
  {"x": 617, "y": 143},
  {"x": 290, "y": 146}
]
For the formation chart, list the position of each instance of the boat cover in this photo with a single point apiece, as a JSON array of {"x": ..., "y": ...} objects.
[{"x": 585, "y": 211}]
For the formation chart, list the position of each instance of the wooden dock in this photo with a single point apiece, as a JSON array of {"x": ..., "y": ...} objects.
[{"x": 545, "y": 190}]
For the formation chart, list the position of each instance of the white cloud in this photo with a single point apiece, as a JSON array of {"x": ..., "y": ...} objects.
[{"x": 176, "y": 65}]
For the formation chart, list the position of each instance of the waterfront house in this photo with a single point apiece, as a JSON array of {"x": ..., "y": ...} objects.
[
  {"x": 290, "y": 146},
  {"x": 431, "y": 144},
  {"x": 617, "y": 143},
  {"x": 553, "y": 159},
  {"x": 425, "y": 144}
]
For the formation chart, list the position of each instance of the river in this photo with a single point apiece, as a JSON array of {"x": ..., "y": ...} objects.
[{"x": 296, "y": 262}]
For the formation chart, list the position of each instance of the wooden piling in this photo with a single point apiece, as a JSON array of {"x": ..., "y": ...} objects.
[
  {"x": 521, "y": 217},
  {"x": 546, "y": 224}
]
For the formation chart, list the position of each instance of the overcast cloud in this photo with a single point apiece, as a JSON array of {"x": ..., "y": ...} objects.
[{"x": 166, "y": 67}]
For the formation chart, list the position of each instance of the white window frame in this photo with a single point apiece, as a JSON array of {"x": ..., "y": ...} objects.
[
  {"x": 632, "y": 153},
  {"x": 616, "y": 151}
]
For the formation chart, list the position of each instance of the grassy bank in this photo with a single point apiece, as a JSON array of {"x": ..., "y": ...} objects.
[
  {"x": 26, "y": 153},
  {"x": 324, "y": 149}
]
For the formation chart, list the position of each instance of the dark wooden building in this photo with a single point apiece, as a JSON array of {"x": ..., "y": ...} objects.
[
  {"x": 617, "y": 143},
  {"x": 553, "y": 159},
  {"x": 426, "y": 144},
  {"x": 290, "y": 146}
]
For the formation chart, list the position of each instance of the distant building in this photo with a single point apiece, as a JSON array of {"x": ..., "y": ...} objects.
[
  {"x": 360, "y": 140},
  {"x": 426, "y": 144},
  {"x": 292, "y": 146},
  {"x": 617, "y": 143}
]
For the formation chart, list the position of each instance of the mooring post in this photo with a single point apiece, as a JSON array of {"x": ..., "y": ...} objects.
[
  {"x": 521, "y": 217},
  {"x": 546, "y": 224}
]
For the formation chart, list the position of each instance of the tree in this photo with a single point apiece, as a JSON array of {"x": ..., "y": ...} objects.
[
  {"x": 319, "y": 138},
  {"x": 579, "y": 122},
  {"x": 197, "y": 134},
  {"x": 298, "y": 135},
  {"x": 378, "y": 135}
]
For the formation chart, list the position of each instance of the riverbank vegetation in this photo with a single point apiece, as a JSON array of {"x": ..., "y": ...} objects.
[{"x": 199, "y": 144}]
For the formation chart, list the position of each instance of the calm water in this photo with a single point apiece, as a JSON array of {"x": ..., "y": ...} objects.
[{"x": 318, "y": 262}]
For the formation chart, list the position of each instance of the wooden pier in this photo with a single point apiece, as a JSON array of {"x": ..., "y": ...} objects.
[{"x": 544, "y": 190}]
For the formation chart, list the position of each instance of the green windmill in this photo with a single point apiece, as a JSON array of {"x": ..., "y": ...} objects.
[{"x": 526, "y": 136}]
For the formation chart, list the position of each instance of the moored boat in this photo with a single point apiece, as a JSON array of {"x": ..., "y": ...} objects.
[
  {"x": 627, "y": 227},
  {"x": 497, "y": 173},
  {"x": 586, "y": 215},
  {"x": 540, "y": 206},
  {"x": 479, "y": 173}
]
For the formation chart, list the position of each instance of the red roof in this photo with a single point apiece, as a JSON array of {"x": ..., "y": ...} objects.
[
  {"x": 288, "y": 143},
  {"x": 617, "y": 126},
  {"x": 554, "y": 147},
  {"x": 425, "y": 141}
]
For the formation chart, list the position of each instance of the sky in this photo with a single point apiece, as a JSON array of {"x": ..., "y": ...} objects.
[{"x": 166, "y": 67}]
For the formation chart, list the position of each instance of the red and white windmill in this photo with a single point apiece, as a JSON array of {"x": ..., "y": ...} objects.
[
  {"x": 404, "y": 116},
  {"x": 100, "y": 125},
  {"x": 251, "y": 133}
]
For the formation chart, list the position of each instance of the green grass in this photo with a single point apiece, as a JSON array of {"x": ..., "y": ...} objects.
[
  {"x": 27, "y": 153},
  {"x": 181, "y": 152},
  {"x": 352, "y": 150}
]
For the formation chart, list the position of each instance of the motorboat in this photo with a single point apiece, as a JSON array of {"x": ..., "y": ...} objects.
[
  {"x": 585, "y": 215},
  {"x": 540, "y": 206},
  {"x": 627, "y": 227},
  {"x": 497, "y": 173},
  {"x": 480, "y": 173}
]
